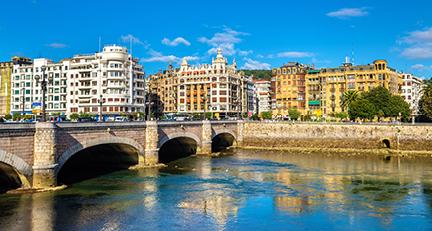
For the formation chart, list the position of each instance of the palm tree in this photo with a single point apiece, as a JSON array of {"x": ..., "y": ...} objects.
[
  {"x": 347, "y": 98},
  {"x": 425, "y": 103}
]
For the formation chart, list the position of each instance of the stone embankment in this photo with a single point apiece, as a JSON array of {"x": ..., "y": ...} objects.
[{"x": 402, "y": 140}]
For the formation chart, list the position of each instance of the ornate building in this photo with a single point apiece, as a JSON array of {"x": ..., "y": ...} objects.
[
  {"x": 217, "y": 88},
  {"x": 325, "y": 87}
]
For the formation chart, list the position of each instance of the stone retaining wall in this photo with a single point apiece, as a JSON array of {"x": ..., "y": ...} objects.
[{"x": 338, "y": 136}]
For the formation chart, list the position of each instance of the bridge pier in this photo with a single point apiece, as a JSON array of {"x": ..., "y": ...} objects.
[
  {"x": 151, "y": 156},
  {"x": 240, "y": 128},
  {"x": 44, "y": 155},
  {"x": 206, "y": 139}
]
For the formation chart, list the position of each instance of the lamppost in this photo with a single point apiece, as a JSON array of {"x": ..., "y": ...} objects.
[
  {"x": 23, "y": 101},
  {"x": 101, "y": 101},
  {"x": 44, "y": 84},
  {"x": 205, "y": 105}
]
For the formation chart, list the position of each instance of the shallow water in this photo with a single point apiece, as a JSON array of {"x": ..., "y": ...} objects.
[{"x": 250, "y": 190}]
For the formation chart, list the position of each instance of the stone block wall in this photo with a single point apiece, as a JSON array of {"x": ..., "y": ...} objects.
[{"x": 342, "y": 136}]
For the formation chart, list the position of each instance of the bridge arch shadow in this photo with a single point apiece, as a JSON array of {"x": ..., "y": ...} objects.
[
  {"x": 222, "y": 141},
  {"x": 97, "y": 157},
  {"x": 14, "y": 172},
  {"x": 176, "y": 146}
]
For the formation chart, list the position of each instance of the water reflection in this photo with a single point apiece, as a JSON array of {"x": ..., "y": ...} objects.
[{"x": 249, "y": 190}]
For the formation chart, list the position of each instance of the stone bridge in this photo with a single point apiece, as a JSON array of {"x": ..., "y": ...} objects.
[{"x": 43, "y": 155}]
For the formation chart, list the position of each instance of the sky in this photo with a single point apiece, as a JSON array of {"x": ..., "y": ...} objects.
[{"x": 258, "y": 34}]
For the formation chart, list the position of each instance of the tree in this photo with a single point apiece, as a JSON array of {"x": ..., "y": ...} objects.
[
  {"x": 347, "y": 98},
  {"x": 293, "y": 113},
  {"x": 398, "y": 107},
  {"x": 425, "y": 103},
  {"x": 8, "y": 117},
  {"x": 74, "y": 116},
  {"x": 361, "y": 108},
  {"x": 267, "y": 115},
  {"x": 380, "y": 98}
]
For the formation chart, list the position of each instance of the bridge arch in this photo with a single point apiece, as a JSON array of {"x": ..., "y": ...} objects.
[
  {"x": 13, "y": 172},
  {"x": 222, "y": 140},
  {"x": 111, "y": 154},
  {"x": 177, "y": 145}
]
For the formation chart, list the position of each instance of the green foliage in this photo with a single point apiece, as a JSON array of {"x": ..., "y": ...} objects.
[
  {"x": 254, "y": 117},
  {"x": 209, "y": 115},
  {"x": 259, "y": 74},
  {"x": 425, "y": 103},
  {"x": 74, "y": 116},
  {"x": 380, "y": 103},
  {"x": 16, "y": 116},
  {"x": 342, "y": 115},
  {"x": 267, "y": 115},
  {"x": 85, "y": 115},
  {"x": 362, "y": 108},
  {"x": 8, "y": 117},
  {"x": 347, "y": 98},
  {"x": 293, "y": 113}
]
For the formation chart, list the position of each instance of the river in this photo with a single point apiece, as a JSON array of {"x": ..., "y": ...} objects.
[{"x": 246, "y": 190}]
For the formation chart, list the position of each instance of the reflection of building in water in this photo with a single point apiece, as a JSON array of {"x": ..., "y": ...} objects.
[
  {"x": 219, "y": 207},
  {"x": 293, "y": 204}
]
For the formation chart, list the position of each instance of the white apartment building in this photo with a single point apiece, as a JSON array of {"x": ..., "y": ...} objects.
[
  {"x": 26, "y": 92},
  {"x": 111, "y": 76},
  {"x": 411, "y": 91},
  {"x": 78, "y": 84},
  {"x": 263, "y": 94}
]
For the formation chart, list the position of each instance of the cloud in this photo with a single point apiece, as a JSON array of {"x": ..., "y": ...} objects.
[
  {"x": 294, "y": 54},
  {"x": 244, "y": 53},
  {"x": 419, "y": 44},
  {"x": 255, "y": 65},
  {"x": 226, "y": 40},
  {"x": 56, "y": 45},
  {"x": 156, "y": 56},
  {"x": 348, "y": 13},
  {"x": 420, "y": 67},
  {"x": 177, "y": 41},
  {"x": 130, "y": 38}
]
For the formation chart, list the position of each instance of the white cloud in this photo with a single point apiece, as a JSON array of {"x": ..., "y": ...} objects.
[
  {"x": 255, "y": 65},
  {"x": 348, "y": 13},
  {"x": 156, "y": 56},
  {"x": 419, "y": 44},
  {"x": 56, "y": 45},
  {"x": 226, "y": 40},
  {"x": 418, "y": 67},
  {"x": 130, "y": 38},
  {"x": 177, "y": 41},
  {"x": 294, "y": 54},
  {"x": 245, "y": 53},
  {"x": 418, "y": 52},
  {"x": 419, "y": 36}
]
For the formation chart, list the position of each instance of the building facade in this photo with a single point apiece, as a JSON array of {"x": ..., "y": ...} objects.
[
  {"x": 289, "y": 88},
  {"x": 263, "y": 95},
  {"x": 5, "y": 86},
  {"x": 163, "y": 91},
  {"x": 325, "y": 87},
  {"x": 80, "y": 84},
  {"x": 411, "y": 91},
  {"x": 217, "y": 88}
]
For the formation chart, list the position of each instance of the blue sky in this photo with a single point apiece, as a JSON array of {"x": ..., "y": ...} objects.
[{"x": 259, "y": 34}]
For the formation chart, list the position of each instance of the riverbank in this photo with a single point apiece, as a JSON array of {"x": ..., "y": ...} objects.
[{"x": 348, "y": 152}]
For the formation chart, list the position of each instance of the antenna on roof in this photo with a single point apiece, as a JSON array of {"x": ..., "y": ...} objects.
[{"x": 100, "y": 43}]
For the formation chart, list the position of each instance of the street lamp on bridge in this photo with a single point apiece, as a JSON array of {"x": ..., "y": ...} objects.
[{"x": 44, "y": 82}]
